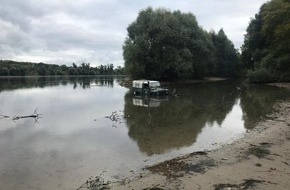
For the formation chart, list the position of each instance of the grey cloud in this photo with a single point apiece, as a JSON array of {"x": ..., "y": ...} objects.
[{"x": 94, "y": 31}]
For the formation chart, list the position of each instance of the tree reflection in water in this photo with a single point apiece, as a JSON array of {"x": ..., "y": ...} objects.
[
  {"x": 176, "y": 123},
  {"x": 12, "y": 83},
  {"x": 257, "y": 102}
]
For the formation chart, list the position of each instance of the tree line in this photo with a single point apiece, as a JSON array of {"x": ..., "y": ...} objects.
[
  {"x": 13, "y": 68},
  {"x": 165, "y": 45},
  {"x": 266, "y": 49}
]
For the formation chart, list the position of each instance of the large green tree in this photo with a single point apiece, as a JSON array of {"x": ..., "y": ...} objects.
[
  {"x": 266, "y": 50},
  {"x": 164, "y": 44},
  {"x": 226, "y": 58}
]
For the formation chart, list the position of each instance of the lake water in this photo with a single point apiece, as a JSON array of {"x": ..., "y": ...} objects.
[{"x": 92, "y": 125}]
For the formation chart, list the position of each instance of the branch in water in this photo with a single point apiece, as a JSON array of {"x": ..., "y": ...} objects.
[
  {"x": 35, "y": 115},
  {"x": 2, "y": 115}
]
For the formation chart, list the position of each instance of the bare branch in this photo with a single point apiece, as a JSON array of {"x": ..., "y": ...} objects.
[
  {"x": 3, "y": 115},
  {"x": 35, "y": 115}
]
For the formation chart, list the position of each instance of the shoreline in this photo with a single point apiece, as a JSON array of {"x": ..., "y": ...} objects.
[{"x": 261, "y": 160}]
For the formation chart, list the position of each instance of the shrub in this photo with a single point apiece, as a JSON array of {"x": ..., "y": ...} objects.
[
  {"x": 4, "y": 71},
  {"x": 260, "y": 76}
]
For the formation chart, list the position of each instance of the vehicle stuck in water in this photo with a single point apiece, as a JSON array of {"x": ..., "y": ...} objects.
[{"x": 148, "y": 87}]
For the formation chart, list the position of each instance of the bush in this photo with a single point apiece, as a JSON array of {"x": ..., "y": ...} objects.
[
  {"x": 13, "y": 71},
  {"x": 260, "y": 76},
  {"x": 59, "y": 72},
  {"x": 72, "y": 71},
  {"x": 4, "y": 71}
]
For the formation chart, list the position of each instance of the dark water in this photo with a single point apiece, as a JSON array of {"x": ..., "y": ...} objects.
[{"x": 92, "y": 125}]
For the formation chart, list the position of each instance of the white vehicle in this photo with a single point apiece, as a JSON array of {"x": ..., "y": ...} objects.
[{"x": 148, "y": 87}]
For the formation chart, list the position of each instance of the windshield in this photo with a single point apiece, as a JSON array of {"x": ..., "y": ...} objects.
[{"x": 154, "y": 84}]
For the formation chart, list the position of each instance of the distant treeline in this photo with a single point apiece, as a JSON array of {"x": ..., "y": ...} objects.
[{"x": 13, "y": 68}]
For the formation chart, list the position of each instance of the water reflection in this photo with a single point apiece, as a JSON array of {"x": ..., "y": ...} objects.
[
  {"x": 71, "y": 141},
  {"x": 74, "y": 140},
  {"x": 176, "y": 123},
  {"x": 257, "y": 102},
  {"x": 12, "y": 83},
  {"x": 148, "y": 101},
  {"x": 167, "y": 125}
]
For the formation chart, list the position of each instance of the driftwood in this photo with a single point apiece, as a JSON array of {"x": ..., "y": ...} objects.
[
  {"x": 117, "y": 117},
  {"x": 95, "y": 183},
  {"x": 35, "y": 115},
  {"x": 2, "y": 116}
]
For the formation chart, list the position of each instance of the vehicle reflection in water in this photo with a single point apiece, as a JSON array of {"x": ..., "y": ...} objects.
[
  {"x": 215, "y": 111},
  {"x": 176, "y": 123},
  {"x": 148, "y": 101}
]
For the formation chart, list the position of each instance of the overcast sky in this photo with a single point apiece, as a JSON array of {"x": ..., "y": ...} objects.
[{"x": 93, "y": 31}]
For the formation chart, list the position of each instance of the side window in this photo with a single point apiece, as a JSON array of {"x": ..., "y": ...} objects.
[{"x": 145, "y": 85}]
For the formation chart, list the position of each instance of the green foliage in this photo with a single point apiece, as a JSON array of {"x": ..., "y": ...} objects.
[
  {"x": 266, "y": 50},
  {"x": 259, "y": 76},
  {"x": 4, "y": 71},
  {"x": 13, "y": 68},
  {"x": 227, "y": 61},
  {"x": 253, "y": 43},
  {"x": 41, "y": 70},
  {"x": 72, "y": 71},
  {"x": 163, "y": 44}
]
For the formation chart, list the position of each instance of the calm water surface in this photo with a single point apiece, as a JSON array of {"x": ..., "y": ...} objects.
[{"x": 82, "y": 131}]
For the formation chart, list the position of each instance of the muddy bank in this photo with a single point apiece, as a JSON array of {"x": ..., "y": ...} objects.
[{"x": 260, "y": 160}]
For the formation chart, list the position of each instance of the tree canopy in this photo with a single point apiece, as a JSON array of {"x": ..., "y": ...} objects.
[
  {"x": 266, "y": 49},
  {"x": 163, "y": 44},
  {"x": 226, "y": 60}
]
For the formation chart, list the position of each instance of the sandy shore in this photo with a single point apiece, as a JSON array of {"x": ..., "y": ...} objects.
[{"x": 260, "y": 160}]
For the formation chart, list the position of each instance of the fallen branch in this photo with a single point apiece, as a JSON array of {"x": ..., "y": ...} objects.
[
  {"x": 35, "y": 115},
  {"x": 2, "y": 115},
  {"x": 117, "y": 117}
]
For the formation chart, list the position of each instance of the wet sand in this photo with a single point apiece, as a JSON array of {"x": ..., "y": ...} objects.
[{"x": 260, "y": 160}]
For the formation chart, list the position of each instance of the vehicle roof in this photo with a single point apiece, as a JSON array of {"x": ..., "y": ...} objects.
[{"x": 145, "y": 81}]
